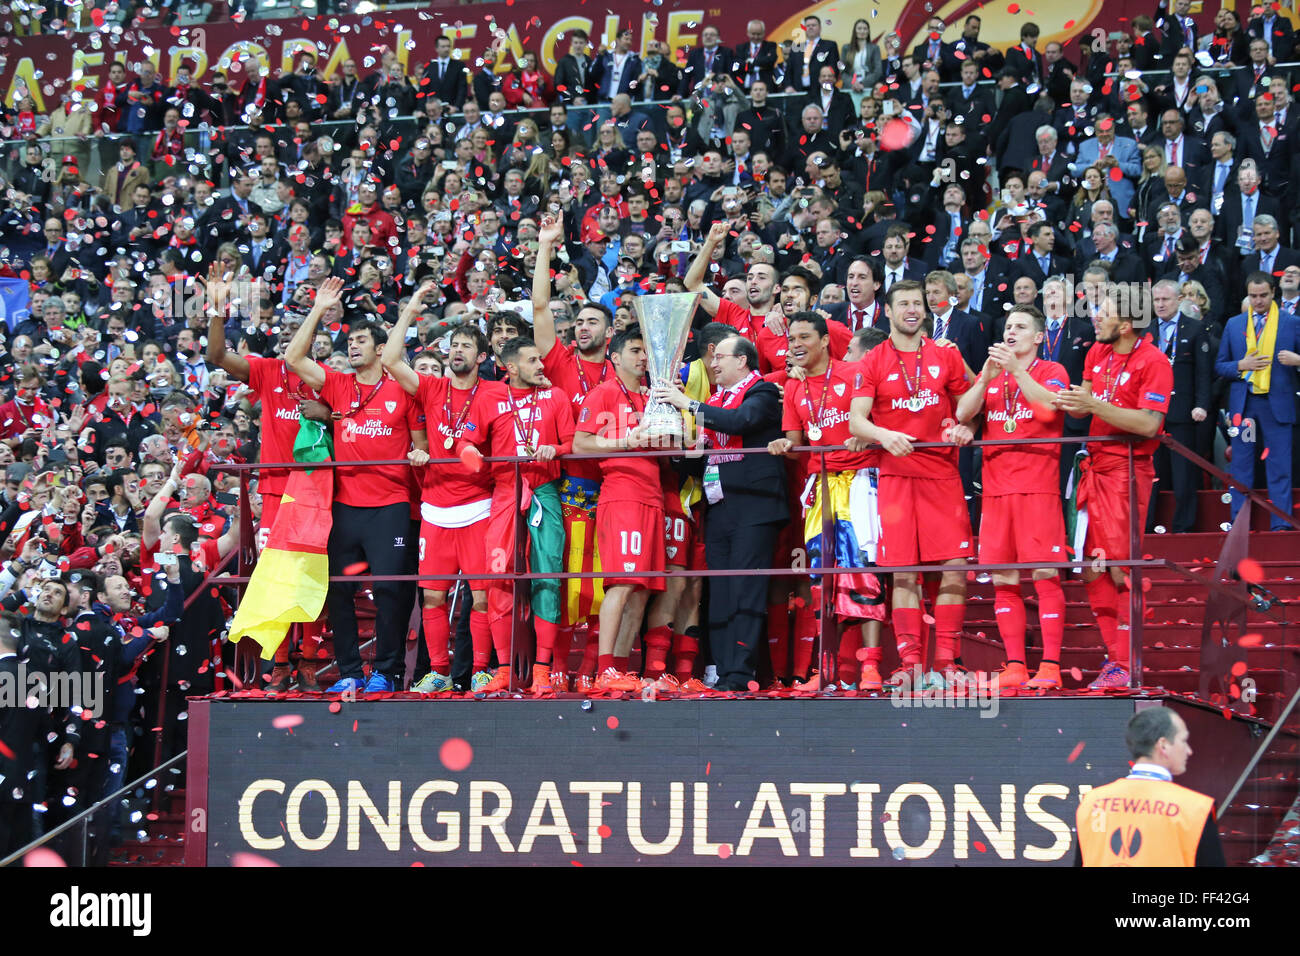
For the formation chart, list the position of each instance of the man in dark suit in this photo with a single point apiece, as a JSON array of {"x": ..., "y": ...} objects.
[
  {"x": 970, "y": 101},
  {"x": 1220, "y": 173},
  {"x": 1242, "y": 202},
  {"x": 1060, "y": 72},
  {"x": 1186, "y": 343},
  {"x": 755, "y": 59},
  {"x": 1025, "y": 60},
  {"x": 54, "y": 247},
  {"x": 1209, "y": 116},
  {"x": 805, "y": 62},
  {"x": 1180, "y": 149},
  {"x": 573, "y": 73},
  {"x": 1067, "y": 339},
  {"x": 1258, "y": 355},
  {"x": 1052, "y": 161},
  {"x": 951, "y": 323},
  {"x": 835, "y": 104},
  {"x": 1253, "y": 80},
  {"x": 18, "y": 730},
  {"x": 618, "y": 70},
  {"x": 1122, "y": 265},
  {"x": 1270, "y": 256},
  {"x": 897, "y": 265},
  {"x": 1175, "y": 191},
  {"x": 1010, "y": 100},
  {"x": 746, "y": 502},
  {"x": 445, "y": 76},
  {"x": 705, "y": 60},
  {"x": 1271, "y": 148},
  {"x": 1040, "y": 261},
  {"x": 1275, "y": 31},
  {"x": 1178, "y": 30},
  {"x": 931, "y": 51},
  {"x": 860, "y": 308},
  {"x": 1141, "y": 130},
  {"x": 991, "y": 278},
  {"x": 1188, "y": 266}
]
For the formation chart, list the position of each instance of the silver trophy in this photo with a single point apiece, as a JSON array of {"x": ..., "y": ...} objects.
[{"x": 665, "y": 322}]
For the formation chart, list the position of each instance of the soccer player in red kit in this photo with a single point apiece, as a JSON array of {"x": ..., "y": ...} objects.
[
  {"x": 536, "y": 421},
  {"x": 456, "y": 498},
  {"x": 761, "y": 284},
  {"x": 907, "y": 392},
  {"x": 1127, "y": 383},
  {"x": 374, "y": 420},
  {"x": 283, "y": 396},
  {"x": 817, "y": 408},
  {"x": 630, "y": 515},
  {"x": 574, "y": 371},
  {"x": 1021, "y": 520}
]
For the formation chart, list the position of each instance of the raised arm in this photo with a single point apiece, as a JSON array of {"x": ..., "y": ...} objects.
[
  {"x": 549, "y": 237},
  {"x": 298, "y": 355},
  {"x": 709, "y": 300},
  {"x": 218, "y": 289},
  {"x": 394, "y": 354}
]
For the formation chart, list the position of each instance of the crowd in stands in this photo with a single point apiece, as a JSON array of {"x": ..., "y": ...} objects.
[{"x": 192, "y": 264}]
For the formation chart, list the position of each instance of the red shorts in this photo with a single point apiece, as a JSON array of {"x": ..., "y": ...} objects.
[
  {"x": 683, "y": 540},
  {"x": 630, "y": 536},
  {"x": 922, "y": 521},
  {"x": 1016, "y": 529},
  {"x": 1106, "y": 494},
  {"x": 446, "y": 551},
  {"x": 270, "y": 508}
]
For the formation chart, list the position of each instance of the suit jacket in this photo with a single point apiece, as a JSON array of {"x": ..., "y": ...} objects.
[
  {"x": 1126, "y": 153},
  {"x": 567, "y": 85},
  {"x": 743, "y": 63},
  {"x": 1016, "y": 142},
  {"x": 1284, "y": 257},
  {"x": 1279, "y": 33},
  {"x": 1175, "y": 36},
  {"x": 451, "y": 87},
  {"x": 913, "y": 269},
  {"x": 1284, "y": 381},
  {"x": 1071, "y": 129},
  {"x": 839, "y": 114},
  {"x": 1193, "y": 366},
  {"x": 628, "y": 83},
  {"x": 1125, "y": 267},
  {"x": 1249, "y": 86},
  {"x": 1193, "y": 155},
  {"x": 1071, "y": 345},
  {"x": 1027, "y": 265},
  {"x": 971, "y": 336},
  {"x": 1191, "y": 200},
  {"x": 839, "y": 312},
  {"x": 119, "y": 183},
  {"x": 1275, "y": 163},
  {"x": 1015, "y": 102},
  {"x": 823, "y": 54},
  {"x": 1028, "y": 66},
  {"x": 974, "y": 108},
  {"x": 697, "y": 67},
  {"x": 999, "y": 277},
  {"x": 1215, "y": 281},
  {"x": 753, "y": 487},
  {"x": 921, "y": 55},
  {"x": 19, "y": 727},
  {"x": 1228, "y": 221}
]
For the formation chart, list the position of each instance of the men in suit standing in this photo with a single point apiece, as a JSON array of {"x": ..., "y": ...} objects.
[
  {"x": 1241, "y": 204},
  {"x": 1209, "y": 116},
  {"x": 1275, "y": 31},
  {"x": 1178, "y": 31},
  {"x": 1186, "y": 343},
  {"x": 1025, "y": 60},
  {"x": 1269, "y": 145},
  {"x": 860, "y": 308},
  {"x": 1051, "y": 161},
  {"x": 835, "y": 104},
  {"x": 898, "y": 265},
  {"x": 1122, "y": 266},
  {"x": 573, "y": 73},
  {"x": 1106, "y": 150},
  {"x": 708, "y": 58},
  {"x": 1218, "y": 175},
  {"x": 19, "y": 727},
  {"x": 991, "y": 278},
  {"x": 1066, "y": 339},
  {"x": 952, "y": 324},
  {"x": 1188, "y": 152},
  {"x": 746, "y": 502},
  {"x": 446, "y": 77},
  {"x": 969, "y": 101},
  {"x": 805, "y": 62},
  {"x": 1188, "y": 265},
  {"x": 930, "y": 51},
  {"x": 1270, "y": 256},
  {"x": 1040, "y": 262},
  {"x": 1258, "y": 355},
  {"x": 755, "y": 59},
  {"x": 618, "y": 70}
]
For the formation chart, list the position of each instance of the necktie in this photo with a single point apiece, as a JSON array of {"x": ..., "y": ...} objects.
[
  {"x": 1249, "y": 204},
  {"x": 1103, "y": 150},
  {"x": 859, "y": 316},
  {"x": 1173, "y": 153},
  {"x": 934, "y": 49},
  {"x": 1045, "y": 263},
  {"x": 1260, "y": 319},
  {"x": 708, "y": 61},
  {"x": 940, "y": 328},
  {"x": 1220, "y": 177},
  {"x": 893, "y": 277},
  {"x": 1266, "y": 261},
  {"x": 1167, "y": 330},
  {"x": 1052, "y": 341}
]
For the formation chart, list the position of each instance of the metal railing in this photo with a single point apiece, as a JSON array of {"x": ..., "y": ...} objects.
[{"x": 82, "y": 820}]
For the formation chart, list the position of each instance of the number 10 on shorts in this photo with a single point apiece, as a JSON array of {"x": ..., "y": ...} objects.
[{"x": 631, "y": 541}]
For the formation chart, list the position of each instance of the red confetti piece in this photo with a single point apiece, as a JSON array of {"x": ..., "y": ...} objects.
[
  {"x": 724, "y": 851},
  {"x": 1013, "y": 8},
  {"x": 1250, "y": 640},
  {"x": 335, "y": 707},
  {"x": 285, "y": 721},
  {"x": 43, "y": 857},
  {"x": 611, "y": 723},
  {"x": 1250, "y": 570},
  {"x": 1116, "y": 173},
  {"x": 251, "y": 859},
  {"x": 1238, "y": 668},
  {"x": 707, "y": 766},
  {"x": 358, "y": 568},
  {"x": 455, "y": 754},
  {"x": 604, "y": 830},
  {"x": 980, "y": 847},
  {"x": 1074, "y": 754}
]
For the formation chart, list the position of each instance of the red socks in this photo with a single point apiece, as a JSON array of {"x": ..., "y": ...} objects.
[
  {"x": 481, "y": 632},
  {"x": 658, "y": 643},
  {"x": 850, "y": 641},
  {"x": 1104, "y": 598},
  {"x": 685, "y": 647},
  {"x": 437, "y": 635},
  {"x": 1051, "y": 617},
  {"x": 604, "y": 662},
  {"x": 1009, "y": 612},
  {"x": 1122, "y": 628},
  {"x": 805, "y": 640},
  {"x": 591, "y": 650},
  {"x": 778, "y": 638},
  {"x": 547, "y": 634},
  {"x": 948, "y": 621},
  {"x": 907, "y": 632}
]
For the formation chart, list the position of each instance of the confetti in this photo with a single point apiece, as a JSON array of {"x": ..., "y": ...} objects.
[
  {"x": 1074, "y": 754},
  {"x": 43, "y": 857},
  {"x": 243, "y": 858},
  {"x": 285, "y": 721},
  {"x": 611, "y": 723},
  {"x": 456, "y": 754}
]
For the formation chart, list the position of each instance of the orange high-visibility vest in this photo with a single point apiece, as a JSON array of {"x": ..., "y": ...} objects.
[{"x": 1141, "y": 822}]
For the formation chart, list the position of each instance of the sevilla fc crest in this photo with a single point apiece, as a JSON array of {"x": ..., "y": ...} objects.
[
  {"x": 391, "y": 406},
  {"x": 839, "y": 389},
  {"x": 934, "y": 371}
]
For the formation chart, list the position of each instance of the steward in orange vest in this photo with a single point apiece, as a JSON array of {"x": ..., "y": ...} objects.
[{"x": 1145, "y": 819}]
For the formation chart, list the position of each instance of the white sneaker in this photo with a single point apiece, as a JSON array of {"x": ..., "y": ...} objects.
[{"x": 710, "y": 675}]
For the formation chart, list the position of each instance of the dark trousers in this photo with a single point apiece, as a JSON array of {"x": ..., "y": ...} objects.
[
  {"x": 1268, "y": 433},
  {"x": 1175, "y": 473},
  {"x": 737, "y": 605},
  {"x": 379, "y": 537}
]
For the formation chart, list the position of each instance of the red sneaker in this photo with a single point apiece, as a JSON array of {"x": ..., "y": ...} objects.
[
  {"x": 611, "y": 680},
  {"x": 500, "y": 681}
]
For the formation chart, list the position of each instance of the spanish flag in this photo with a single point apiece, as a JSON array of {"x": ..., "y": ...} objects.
[{"x": 292, "y": 573}]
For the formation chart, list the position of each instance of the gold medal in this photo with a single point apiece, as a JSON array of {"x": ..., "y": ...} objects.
[
  {"x": 1009, "y": 425},
  {"x": 448, "y": 443}
]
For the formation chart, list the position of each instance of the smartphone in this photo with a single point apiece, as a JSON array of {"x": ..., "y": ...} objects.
[
  {"x": 681, "y": 245},
  {"x": 166, "y": 559},
  {"x": 449, "y": 164},
  {"x": 887, "y": 108}
]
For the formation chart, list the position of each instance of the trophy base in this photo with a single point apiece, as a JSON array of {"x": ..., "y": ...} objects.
[{"x": 664, "y": 427}]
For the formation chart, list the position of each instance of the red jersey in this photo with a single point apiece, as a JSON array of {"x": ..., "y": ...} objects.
[
  {"x": 16, "y": 419},
  {"x": 611, "y": 411},
  {"x": 277, "y": 389},
  {"x": 1023, "y": 469},
  {"x": 772, "y": 347},
  {"x": 824, "y": 400},
  {"x": 376, "y": 426},
  {"x": 464, "y": 415},
  {"x": 528, "y": 419},
  {"x": 915, "y": 393},
  {"x": 1143, "y": 378},
  {"x": 574, "y": 376},
  {"x": 742, "y": 320}
]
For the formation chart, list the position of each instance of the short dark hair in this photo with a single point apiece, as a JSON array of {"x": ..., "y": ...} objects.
[
  {"x": 1040, "y": 321},
  {"x": 817, "y": 321},
  {"x": 868, "y": 338},
  {"x": 712, "y": 334},
  {"x": 1146, "y": 729},
  {"x": 746, "y": 348},
  {"x": 905, "y": 285},
  {"x": 378, "y": 334},
  {"x": 183, "y": 526},
  {"x": 620, "y": 340},
  {"x": 511, "y": 349},
  {"x": 1258, "y": 276},
  {"x": 507, "y": 317},
  {"x": 809, "y": 277},
  {"x": 603, "y": 310},
  {"x": 476, "y": 337}
]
